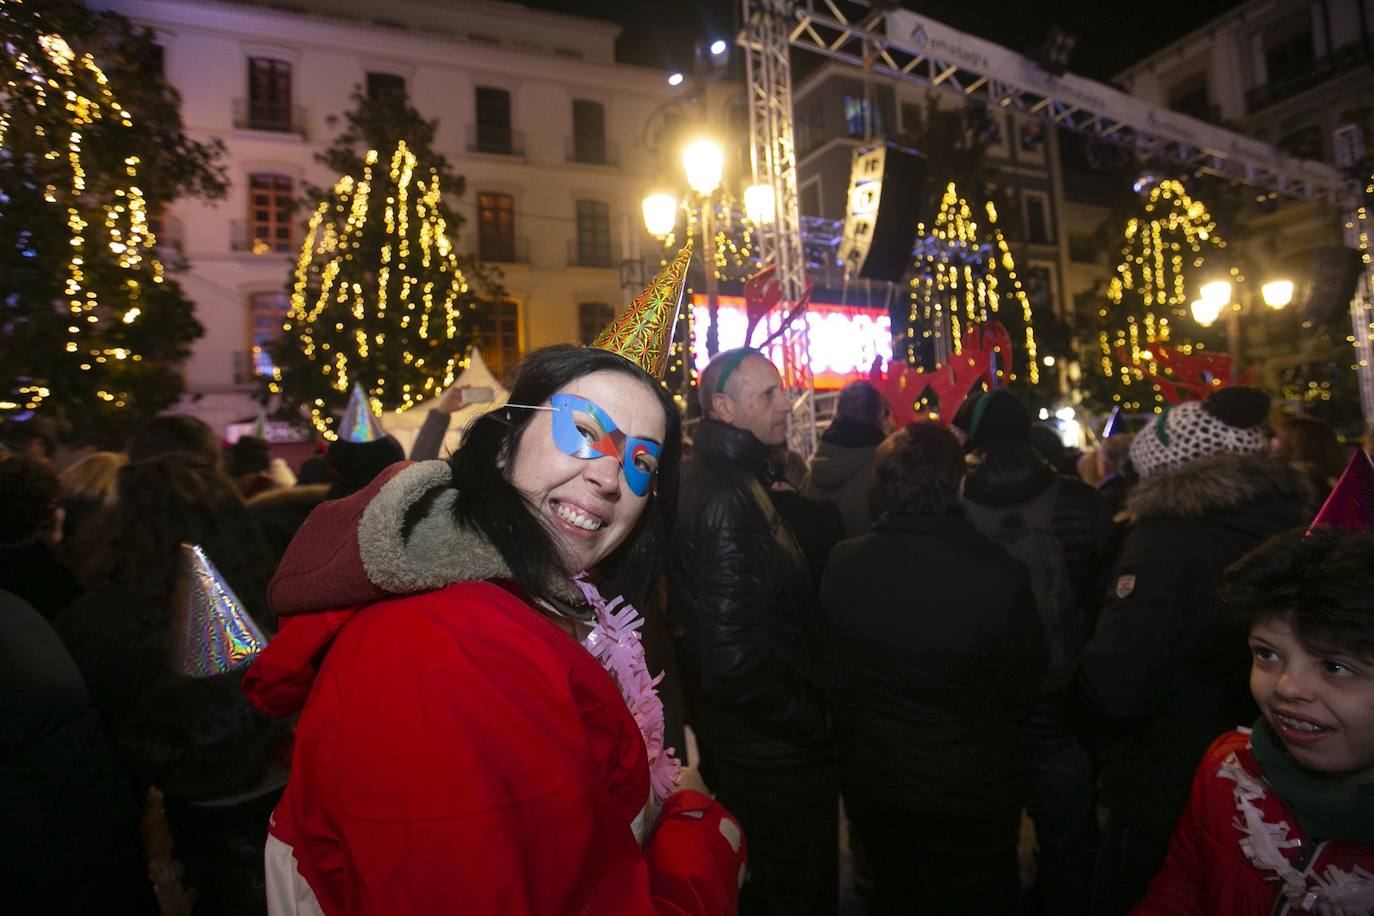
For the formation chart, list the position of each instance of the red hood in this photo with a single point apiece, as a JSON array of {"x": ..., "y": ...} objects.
[{"x": 319, "y": 585}]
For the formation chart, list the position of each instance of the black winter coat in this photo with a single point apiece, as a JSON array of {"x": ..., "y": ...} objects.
[
  {"x": 1166, "y": 668},
  {"x": 942, "y": 655},
  {"x": 739, "y": 584},
  {"x": 1015, "y": 475}
]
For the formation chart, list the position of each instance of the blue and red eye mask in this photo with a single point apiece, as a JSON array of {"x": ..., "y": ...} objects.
[{"x": 583, "y": 429}]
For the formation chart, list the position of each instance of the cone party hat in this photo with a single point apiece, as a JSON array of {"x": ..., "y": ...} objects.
[
  {"x": 359, "y": 423},
  {"x": 259, "y": 430},
  {"x": 1351, "y": 503},
  {"x": 643, "y": 333},
  {"x": 214, "y": 634}
]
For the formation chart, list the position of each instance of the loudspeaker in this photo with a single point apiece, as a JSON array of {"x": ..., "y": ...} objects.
[
  {"x": 881, "y": 211},
  {"x": 1328, "y": 276}
]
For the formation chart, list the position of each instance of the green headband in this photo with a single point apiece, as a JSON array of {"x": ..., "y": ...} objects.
[
  {"x": 979, "y": 408},
  {"x": 729, "y": 365}
]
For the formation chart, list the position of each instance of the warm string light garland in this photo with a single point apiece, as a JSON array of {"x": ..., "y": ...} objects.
[
  {"x": 411, "y": 287},
  {"x": 61, "y": 80},
  {"x": 956, "y": 282},
  {"x": 1149, "y": 292}
]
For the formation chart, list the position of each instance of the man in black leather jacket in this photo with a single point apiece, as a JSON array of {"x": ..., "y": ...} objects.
[{"x": 754, "y": 645}]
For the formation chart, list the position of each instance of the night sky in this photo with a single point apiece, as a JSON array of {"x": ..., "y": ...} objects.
[{"x": 1111, "y": 33}]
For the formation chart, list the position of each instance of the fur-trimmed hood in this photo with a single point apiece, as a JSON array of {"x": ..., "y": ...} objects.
[
  {"x": 1218, "y": 484},
  {"x": 396, "y": 536}
]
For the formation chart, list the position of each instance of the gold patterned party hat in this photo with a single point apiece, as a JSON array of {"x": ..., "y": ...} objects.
[{"x": 643, "y": 333}]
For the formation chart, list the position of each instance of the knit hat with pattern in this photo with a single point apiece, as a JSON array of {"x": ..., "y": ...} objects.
[{"x": 1229, "y": 420}]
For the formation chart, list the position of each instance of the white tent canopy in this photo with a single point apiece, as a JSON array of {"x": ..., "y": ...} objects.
[{"x": 482, "y": 387}]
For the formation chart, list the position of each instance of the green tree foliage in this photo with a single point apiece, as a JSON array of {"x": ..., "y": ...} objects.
[
  {"x": 379, "y": 295},
  {"x": 91, "y": 145}
]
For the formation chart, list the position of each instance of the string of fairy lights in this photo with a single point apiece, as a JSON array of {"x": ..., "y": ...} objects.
[
  {"x": 1147, "y": 295},
  {"x": 336, "y": 321},
  {"x": 955, "y": 283},
  {"x": 60, "y": 80}
]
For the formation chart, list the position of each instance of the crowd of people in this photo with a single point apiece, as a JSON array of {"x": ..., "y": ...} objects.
[{"x": 1004, "y": 676}]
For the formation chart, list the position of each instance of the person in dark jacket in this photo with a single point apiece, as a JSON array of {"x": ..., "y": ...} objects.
[
  {"x": 1166, "y": 670},
  {"x": 816, "y": 524},
  {"x": 754, "y": 645},
  {"x": 842, "y": 468},
  {"x": 942, "y": 653},
  {"x": 1012, "y": 494},
  {"x": 31, "y": 566},
  {"x": 70, "y": 842}
]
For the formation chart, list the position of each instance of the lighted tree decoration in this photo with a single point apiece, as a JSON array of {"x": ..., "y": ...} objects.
[
  {"x": 93, "y": 328},
  {"x": 379, "y": 297},
  {"x": 379, "y": 294},
  {"x": 965, "y": 275},
  {"x": 1147, "y": 298}
]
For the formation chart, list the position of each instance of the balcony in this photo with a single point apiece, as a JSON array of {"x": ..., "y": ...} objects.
[
  {"x": 496, "y": 142},
  {"x": 605, "y": 257},
  {"x": 1349, "y": 57},
  {"x": 591, "y": 153},
  {"x": 511, "y": 249},
  {"x": 274, "y": 117},
  {"x": 246, "y": 237}
]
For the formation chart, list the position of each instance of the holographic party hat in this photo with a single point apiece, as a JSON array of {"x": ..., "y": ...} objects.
[
  {"x": 1351, "y": 503},
  {"x": 360, "y": 424},
  {"x": 214, "y": 634},
  {"x": 643, "y": 333}
]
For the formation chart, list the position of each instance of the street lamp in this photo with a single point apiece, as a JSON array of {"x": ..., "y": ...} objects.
[
  {"x": 704, "y": 161},
  {"x": 1216, "y": 297},
  {"x": 758, "y": 204},
  {"x": 660, "y": 214}
]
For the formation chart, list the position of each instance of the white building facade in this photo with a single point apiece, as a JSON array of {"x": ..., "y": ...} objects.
[{"x": 533, "y": 112}]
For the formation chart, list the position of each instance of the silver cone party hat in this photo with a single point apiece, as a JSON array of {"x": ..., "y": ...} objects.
[
  {"x": 359, "y": 423},
  {"x": 214, "y": 634}
]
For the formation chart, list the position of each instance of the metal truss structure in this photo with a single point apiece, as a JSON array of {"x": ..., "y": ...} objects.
[
  {"x": 774, "y": 160},
  {"x": 857, "y": 33}
]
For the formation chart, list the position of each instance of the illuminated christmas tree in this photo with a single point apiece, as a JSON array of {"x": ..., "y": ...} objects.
[
  {"x": 379, "y": 297},
  {"x": 94, "y": 330},
  {"x": 1148, "y": 302},
  {"x": 965, "y": 274}
]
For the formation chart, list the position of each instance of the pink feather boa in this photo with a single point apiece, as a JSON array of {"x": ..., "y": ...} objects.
[{"x": 615, "y": 642}]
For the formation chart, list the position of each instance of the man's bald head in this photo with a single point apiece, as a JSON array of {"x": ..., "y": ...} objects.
[{"x": 742, "y": 388}]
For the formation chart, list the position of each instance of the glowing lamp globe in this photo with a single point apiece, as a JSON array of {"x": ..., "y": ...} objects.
[
  {"x": 704, "y": 161},
  {"x": 1217, "y": 293},
  {"x": 660, "y": 214},
  {"x": 1204, "y": 312},
  {"x": 1277, "y": 293},
  {"x": 758, "y": 204}
]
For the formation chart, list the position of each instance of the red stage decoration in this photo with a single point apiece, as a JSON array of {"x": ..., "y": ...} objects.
[
  {"x": 1191, "y": 376},
  {"x": 985, "y": 349}
]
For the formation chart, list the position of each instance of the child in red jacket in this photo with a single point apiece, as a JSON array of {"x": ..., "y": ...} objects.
[{"x": 1281, "y": 818}]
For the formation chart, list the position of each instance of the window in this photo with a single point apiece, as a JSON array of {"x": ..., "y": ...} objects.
[
  {"x": 1189, "y": 96},
  {"x": 810, "y": 130},
  {"x": 493, "y": 120},
  {"x": 592, "y": 319},
  {"x": 589, "y": 132},
  {"x": 1040, "y": 290},
  {"x": 269, "y": 213},
  {"x": 499, "y": 337},
  {"x": 593, "y": 234},
  {"x": 1303, "y": 143},
  {"x": 1032, "y": 139},
  {"x": 496, "y": 227},
  {"x": 855, "y": 109},
  {"x": 912, "y": 118},
  {"x": 266, "y": 313},
  {"x": 1037, "y": 219},
  {"x": 383, "y": 87},
  {"x": 1288, "y": 52},
  {"x": 1347, "y": 145},
  {"x": 269, "y": 94}
]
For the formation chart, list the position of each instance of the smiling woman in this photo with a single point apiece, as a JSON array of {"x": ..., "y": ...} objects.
[{"x": 483, "y": 735}]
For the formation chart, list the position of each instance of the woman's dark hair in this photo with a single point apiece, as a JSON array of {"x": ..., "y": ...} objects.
[
  {"x": 1321, "y": 584},
  {"x": 918, "y": 469},
  {"x": 353, "y": 465},
  {"x": 28, "y": 491},
  {"x": 489, "y": 503},
  {"x": 163, "y": 503},
  {"x": 175, "y": 434}
]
